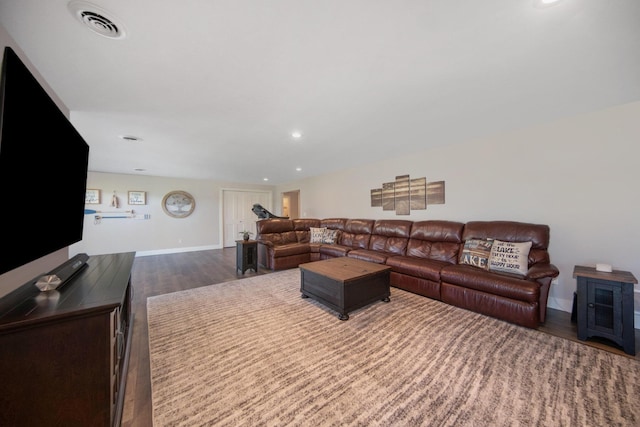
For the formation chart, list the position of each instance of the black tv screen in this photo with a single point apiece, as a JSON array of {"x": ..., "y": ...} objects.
[{"x": 43, "y": 170}]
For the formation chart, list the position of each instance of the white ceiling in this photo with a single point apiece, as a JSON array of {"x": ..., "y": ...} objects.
[{"x": 215, "y": 87}]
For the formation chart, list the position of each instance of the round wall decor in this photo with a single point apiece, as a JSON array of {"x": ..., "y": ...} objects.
[{"x": 178, "y": 204}]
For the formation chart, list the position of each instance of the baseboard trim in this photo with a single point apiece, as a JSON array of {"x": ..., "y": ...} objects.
[{"x": 177, "y": 250}]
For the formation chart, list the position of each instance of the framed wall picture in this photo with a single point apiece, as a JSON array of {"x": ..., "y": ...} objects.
[
  {"x": 418, "y": 193},
  {"x": 388, "y": 196},
  {"x": 376, "y": 197},
  {"x": 178, "y": 204},
  {"x": 401, "y": 189},
  {"x": 405, "y": 194},
  {"x": 92, "y": 197},
  {"x": 137, "y": 197},
  {"x": 435, "y": 193}
]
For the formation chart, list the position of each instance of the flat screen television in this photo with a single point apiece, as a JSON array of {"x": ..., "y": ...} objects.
[{"x": 43, "y": 170}]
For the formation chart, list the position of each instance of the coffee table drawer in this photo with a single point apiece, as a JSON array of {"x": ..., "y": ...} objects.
[{"x": 328, "y": 289}]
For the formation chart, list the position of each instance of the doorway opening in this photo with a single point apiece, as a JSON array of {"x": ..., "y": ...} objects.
[{"x": 291, "y": 204}]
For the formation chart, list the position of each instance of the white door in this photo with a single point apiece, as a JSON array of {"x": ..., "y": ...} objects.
[{"x": 237, "y": 213}]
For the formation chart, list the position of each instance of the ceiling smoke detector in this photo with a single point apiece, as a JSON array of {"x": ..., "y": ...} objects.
[{"x": 97, "y": 20}]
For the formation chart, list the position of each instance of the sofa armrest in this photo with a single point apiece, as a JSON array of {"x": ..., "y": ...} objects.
[
  {"x": 264, "y": 247},
  {"x": 542, "y": 270},
  {"x": 267, "y": 243}
]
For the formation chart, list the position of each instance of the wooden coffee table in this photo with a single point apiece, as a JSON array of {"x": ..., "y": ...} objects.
[{"x": 345, "y": 284}]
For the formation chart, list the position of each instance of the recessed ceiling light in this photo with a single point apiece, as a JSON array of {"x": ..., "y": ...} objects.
[
  {"x": 545, "y": 3},
  {"x": 298, "y": 169},
  {"x": 296, "y": 135},
  {"x": 265, "y": 179}
]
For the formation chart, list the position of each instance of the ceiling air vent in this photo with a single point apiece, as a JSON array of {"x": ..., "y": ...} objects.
[{"x": 97, "y": 20}]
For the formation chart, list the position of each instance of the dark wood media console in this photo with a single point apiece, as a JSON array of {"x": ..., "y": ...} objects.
[{"x": 64, "y": 354}]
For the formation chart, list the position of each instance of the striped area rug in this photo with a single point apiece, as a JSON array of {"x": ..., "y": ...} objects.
[{"x": 252, "y": 352}]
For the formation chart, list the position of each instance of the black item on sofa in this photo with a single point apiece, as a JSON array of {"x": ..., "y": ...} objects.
[{"x": 263, "y": 213}]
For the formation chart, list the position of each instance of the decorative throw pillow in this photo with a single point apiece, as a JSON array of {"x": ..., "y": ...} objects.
[
  {"x": 316, "y": 234},
  {"x": 330, "y": 236},
  {"x": 476, "y": 252},
  {"x": 510, "y": 257}
]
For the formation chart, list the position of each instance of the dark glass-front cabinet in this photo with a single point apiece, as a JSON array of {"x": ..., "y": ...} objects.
[
  {"x": 605, "y": 306},
  {"x": 246, "y": 255}
]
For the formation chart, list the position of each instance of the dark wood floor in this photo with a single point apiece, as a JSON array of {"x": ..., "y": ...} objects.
[{"x": 160, "y": 274}]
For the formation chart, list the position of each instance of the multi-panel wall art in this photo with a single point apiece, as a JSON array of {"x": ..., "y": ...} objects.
[{"x": 405, "y": 194}]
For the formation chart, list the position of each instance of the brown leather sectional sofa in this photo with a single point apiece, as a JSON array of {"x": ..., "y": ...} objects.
[{"x": 425, "y": 259}]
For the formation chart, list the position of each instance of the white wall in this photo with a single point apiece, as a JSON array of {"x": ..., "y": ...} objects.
[
  {"x": 160, "y": 233},
  {"x": 579, "y": 175}
]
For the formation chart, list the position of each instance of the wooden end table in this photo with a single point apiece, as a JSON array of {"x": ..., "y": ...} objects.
[
  {"x": 246, "y": 255},
  {"x": 605, "y": 306}
]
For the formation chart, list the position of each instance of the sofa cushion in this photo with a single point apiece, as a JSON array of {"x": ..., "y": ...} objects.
[
  {"x": 357, "y": 233},
  {"x": 511, "y": 231},
  {"x": 305, "y": 223},
  {"x": 437, "y": 240},
  {"x": 276, "y": 231},
  {"x": 333, "y": 223},
  {"x": 368, "y": 255},
  {"x": 274, "y": 225},
  {"x": 476, "y": 252},
  {"x": 503, "y": 284},
  {"x": 315, "y": 248},
  {"x": 390, "y": 236},
  {"x": 510, "y": 257},
  {"x": 302, "y": 226},
  {"x": 290, "y": 249},
  {"x": 417, "y": 267},
  {"x": 316, "y": 234},
  {"x": 334, "y": 251},
  {"x": 289, "y": 237}
]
